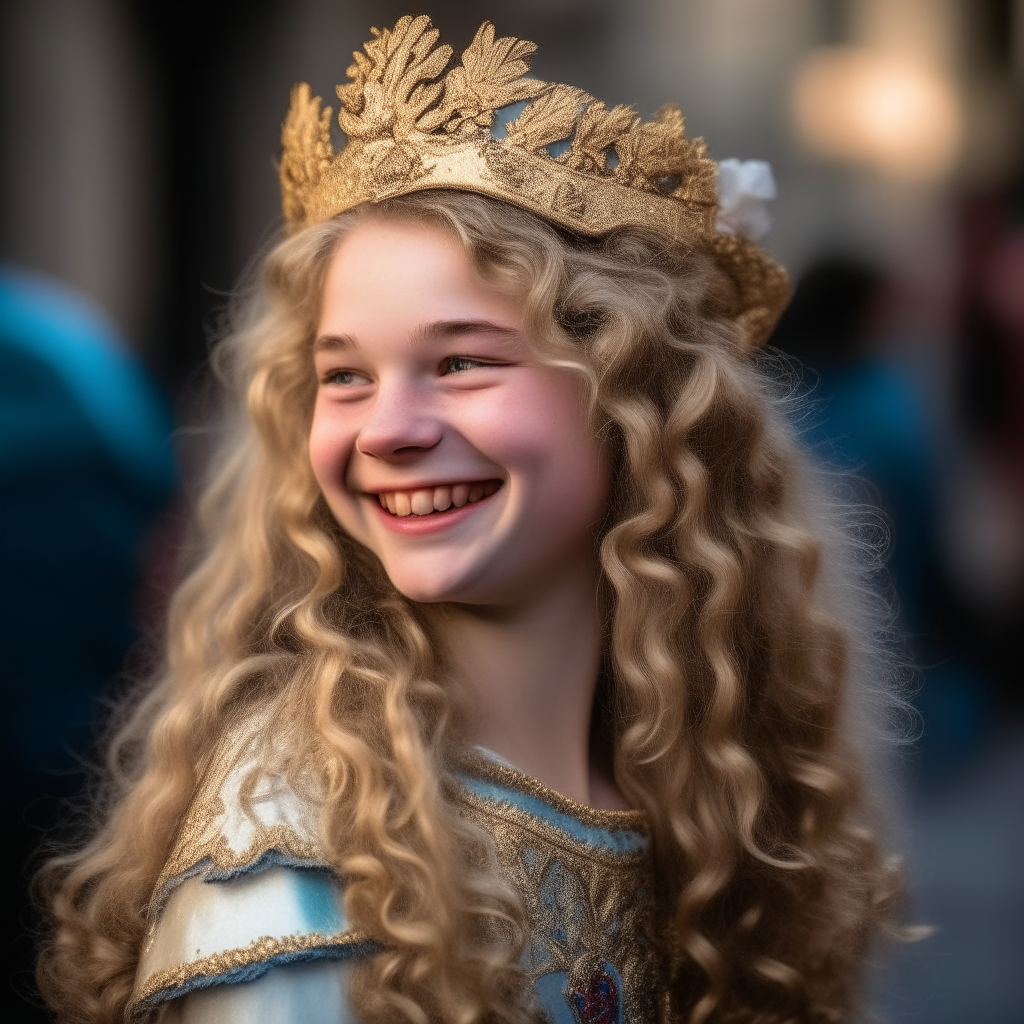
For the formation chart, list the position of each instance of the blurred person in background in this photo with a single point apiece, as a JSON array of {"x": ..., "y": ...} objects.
[
  {"x": 985, "y": 534},
  {"x": 869, "y": 415},
  {"x": 86, "y": 468}
]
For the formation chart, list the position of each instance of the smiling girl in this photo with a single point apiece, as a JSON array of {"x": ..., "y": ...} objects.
[{"x": 517, "y": 676}]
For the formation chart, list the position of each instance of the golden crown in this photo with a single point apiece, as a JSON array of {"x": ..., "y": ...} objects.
[{"x": 565, "y": 157}]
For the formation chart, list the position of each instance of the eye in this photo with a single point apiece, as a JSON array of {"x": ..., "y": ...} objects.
[
  {"x": 344, "y": 378},
  {"x": 458, "y": 364}
]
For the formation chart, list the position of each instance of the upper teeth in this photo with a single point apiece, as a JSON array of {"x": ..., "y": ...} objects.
[{"x": 435, "y": 499}]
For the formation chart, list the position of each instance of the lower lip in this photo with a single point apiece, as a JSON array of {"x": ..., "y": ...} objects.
[{"x": 415, "y": 526}]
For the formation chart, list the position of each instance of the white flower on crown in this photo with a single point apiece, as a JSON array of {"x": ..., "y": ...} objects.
[{"x": 745, "y": 188}]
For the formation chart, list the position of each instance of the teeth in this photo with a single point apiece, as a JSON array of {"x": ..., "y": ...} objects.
[
  {"x": 437, "y": 499},
  {"x": 422, "y": 503},
  {"x": 442, "y": 498}
]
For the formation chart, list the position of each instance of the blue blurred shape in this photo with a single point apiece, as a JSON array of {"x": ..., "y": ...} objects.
[
  {"x": 86, "y": 466},
  {"x": 53, "y": 326}
]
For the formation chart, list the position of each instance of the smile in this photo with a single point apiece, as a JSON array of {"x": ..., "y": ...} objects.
[{"x": 425, "y": 501}]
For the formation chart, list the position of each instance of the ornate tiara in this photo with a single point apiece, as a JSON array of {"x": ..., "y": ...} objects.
[{"x": 564, "y": 155}]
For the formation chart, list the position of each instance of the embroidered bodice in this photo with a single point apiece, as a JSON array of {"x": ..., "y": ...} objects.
[{"x": 251, "y": 924}]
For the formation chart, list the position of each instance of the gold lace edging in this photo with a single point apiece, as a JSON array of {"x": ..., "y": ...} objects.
[
  {"x": 216, "y": 858},
  {"x": 263, "y": 950},
  {"x": 529, "y": 824},
  {"x": 483, "y": 767},
  {"x": 200, "y": 841}
]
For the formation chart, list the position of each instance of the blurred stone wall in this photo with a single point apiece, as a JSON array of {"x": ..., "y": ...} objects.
[{"x": 80, "y": 178}]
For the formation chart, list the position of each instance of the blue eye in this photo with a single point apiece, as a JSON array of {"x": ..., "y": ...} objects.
[
  {"x": 457, "y": 364},
  {"x": 345, "y": 378}
]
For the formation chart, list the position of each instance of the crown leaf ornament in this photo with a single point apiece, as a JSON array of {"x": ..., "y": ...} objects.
[{"x": 414, "y": 123}]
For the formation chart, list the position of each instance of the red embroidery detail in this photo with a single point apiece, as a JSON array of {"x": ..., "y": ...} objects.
[{"x": 598, "y": 1003}]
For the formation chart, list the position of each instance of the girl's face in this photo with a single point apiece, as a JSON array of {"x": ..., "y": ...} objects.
[{"x": 439, "y": 440}]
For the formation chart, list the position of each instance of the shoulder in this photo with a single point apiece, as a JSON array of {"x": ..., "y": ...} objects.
[{"x": 245, "y": 887}]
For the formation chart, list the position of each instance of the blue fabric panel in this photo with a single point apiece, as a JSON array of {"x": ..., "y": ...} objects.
[
  {"x": 624, "y": 841},
  {"x": 551, "y": 989},
  {"x": 316, "y": 894}
]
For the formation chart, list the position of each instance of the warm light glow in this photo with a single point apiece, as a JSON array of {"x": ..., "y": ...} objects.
[{"x": 878, "y": 108}]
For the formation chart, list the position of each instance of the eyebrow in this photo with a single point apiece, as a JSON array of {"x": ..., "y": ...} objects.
[
  {"x": 429, "y": 332},
  {"x": 327, "y": 342},
  {"x": 457, "y": 328}
]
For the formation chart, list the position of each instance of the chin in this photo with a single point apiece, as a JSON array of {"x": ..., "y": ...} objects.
[
  {"x": 424, "y": 595},
  {"x": 436, "y": 584},
  {"x": 428, "y": 588}
]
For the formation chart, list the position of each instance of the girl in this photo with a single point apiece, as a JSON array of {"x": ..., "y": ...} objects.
[{"x": 517, "y": 675}]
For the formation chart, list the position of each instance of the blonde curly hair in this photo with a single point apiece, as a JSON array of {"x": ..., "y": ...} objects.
[{"x": 737, "y": 646}]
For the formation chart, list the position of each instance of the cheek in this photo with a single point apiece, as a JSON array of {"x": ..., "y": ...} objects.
[
  {"x": 329, "y": 446},
  {"x": 544, "y": 435},
  {"x": 574, "y": 483}
]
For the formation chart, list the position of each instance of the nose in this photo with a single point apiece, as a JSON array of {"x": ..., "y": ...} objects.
[{"x": 400, "y": 424}]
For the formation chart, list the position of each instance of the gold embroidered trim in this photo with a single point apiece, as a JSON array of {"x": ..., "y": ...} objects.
[
  {"x": 198, "y": 841},
  {"x": 550, "y": 835},
  {"x": 593, "y": 817},
  {"x": 587, "y": 905},
  {"x": 223, "y": 859},
  {"x": 258, "y": 951},
  {"x": 201, "y": 839}
]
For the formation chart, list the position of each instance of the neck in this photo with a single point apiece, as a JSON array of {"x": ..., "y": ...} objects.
[{"x": 529, "y": 672}]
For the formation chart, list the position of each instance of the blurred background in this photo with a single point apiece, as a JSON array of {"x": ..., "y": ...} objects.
[{"x": 139, "y": 140}]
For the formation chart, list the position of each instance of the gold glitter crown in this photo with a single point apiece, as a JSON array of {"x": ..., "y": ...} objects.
[{"x": 565, "y": 157}]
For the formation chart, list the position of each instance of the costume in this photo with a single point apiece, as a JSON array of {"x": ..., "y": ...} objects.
[{"x": 246, "y": 896}]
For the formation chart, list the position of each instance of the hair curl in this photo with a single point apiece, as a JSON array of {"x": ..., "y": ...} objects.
[{"x": 735, "y": 652}]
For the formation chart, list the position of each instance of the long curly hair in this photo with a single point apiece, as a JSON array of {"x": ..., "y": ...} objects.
[{"x": 737, "y": 647}]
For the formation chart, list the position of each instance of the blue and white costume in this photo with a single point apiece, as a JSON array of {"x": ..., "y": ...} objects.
[{"x": 251, "y": 925}]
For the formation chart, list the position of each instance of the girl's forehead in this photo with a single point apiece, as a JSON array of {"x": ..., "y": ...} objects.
[
  {"x": 395, "y": 240},
  {"x": 404, "y": 278}
]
